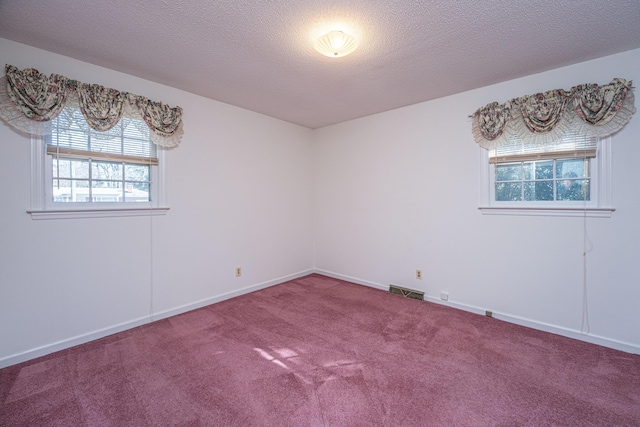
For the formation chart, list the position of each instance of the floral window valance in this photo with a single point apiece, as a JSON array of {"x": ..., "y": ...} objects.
[
  {"x": 543, "y": 118},
  {"x": 29, "y": 101}
]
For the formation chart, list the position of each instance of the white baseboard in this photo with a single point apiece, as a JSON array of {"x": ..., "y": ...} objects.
[
  {"x": 70, "y": 342},
  {"x": 101, "y": 333},
  {"x": 351, "y": 279},
  {"x": 228, "y": 295},
  {"x": 84, "y": 338},
  {"x": 558, "y": 330}
]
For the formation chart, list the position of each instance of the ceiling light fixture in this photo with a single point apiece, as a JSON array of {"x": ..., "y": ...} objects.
[{"x": 336, "y": 44}]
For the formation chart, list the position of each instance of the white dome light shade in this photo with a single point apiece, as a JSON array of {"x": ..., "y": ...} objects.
[{"x": 336, "y": 44}]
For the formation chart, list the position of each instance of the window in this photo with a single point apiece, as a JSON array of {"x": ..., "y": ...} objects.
[
  {"x": 81, "y": 172},
  {"x": 571, "y": 177},
  {"x": 554, "y": 170}
]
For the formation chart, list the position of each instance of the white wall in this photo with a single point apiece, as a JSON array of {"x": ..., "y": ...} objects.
[
  {"x": 373, "y": 199},
  {"x": 239, "y": 188},
  {"x": 399, "y": 191}
]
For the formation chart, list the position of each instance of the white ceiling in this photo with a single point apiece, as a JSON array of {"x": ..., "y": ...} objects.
[{"x": 259, "y": 54}]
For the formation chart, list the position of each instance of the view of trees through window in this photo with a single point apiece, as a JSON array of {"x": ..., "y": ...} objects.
[{"x": 546, "y": 180}]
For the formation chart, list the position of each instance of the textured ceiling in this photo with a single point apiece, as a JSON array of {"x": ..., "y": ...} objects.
[{"x": 259, "y": 54}]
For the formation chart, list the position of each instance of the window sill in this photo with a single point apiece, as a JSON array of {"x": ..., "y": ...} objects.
[
  {"x": 570, "y": 212},
  {"x": 95, "y": 213}
]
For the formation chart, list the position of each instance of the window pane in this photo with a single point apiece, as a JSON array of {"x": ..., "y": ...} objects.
[
  {"x": 509, "y": 191},
  {"x": 106, "y": 170},
  {"x": 62, "y": 190},
  {"x": 70, "y": 190},
  {"x": 79, "y": 169},
  {"x": 529, "y": 170},
  {"x": 509, "y": 172},
  {"x": 61, "y": 168},
  {"x": 136, "y": 172},
  {"x": 574, "y": 189},
  {"x": 136, "y": 192},
  {"x": 106, "y": 191},
  {"x": 538, "y": 190},
  {"x": 572, "y": 168},
  {"x": 65, "y": 168},
  {"x": 544, "y": 170}
]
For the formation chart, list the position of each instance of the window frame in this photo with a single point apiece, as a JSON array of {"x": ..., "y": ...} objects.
[
  {"x": 43, "y": 207},
  {"x": 600, "y": 192}
]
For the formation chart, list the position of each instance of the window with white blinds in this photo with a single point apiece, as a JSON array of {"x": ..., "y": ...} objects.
[
  {"x": 569, "y": 175},
  {"x": 89, "y": 167},
  {"x": 525, "y": 172}
]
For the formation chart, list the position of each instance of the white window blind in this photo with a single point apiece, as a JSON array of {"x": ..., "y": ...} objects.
[
  {"x": 573, "y": 145},
  {"x": 128, "y": 141}
]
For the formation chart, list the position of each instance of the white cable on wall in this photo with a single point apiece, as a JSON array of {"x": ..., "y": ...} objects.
[
  {"x": 587, "y": 246},
  {"x": 151, "y": 281}
]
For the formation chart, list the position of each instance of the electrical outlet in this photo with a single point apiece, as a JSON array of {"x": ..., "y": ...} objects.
[
  {"x": 444, "y": 296},
  {"x": 238, "y": 271},
  {"x": 419, "y": 274}
]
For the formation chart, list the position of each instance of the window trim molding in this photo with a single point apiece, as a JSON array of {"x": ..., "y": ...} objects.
[
  {"x": 40, "y": 209},
  {"x": 601, "y": 209},
  {"x": 95, "y": 213},
  {"x": 530, "y": 211}
]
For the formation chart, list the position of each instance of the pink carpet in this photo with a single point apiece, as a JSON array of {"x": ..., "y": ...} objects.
[{"x": 318, "y": 351}]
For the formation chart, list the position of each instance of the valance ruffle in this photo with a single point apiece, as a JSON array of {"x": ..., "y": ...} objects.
[
  {"x": 164, "y": 121},
  {"x": 38, "y": 97},
  {"x": 29, "y": 101},
  {"x": 492, "y": 121},
  {"x": 101, "y": 107},
  {"x": 543, "y": 118}
]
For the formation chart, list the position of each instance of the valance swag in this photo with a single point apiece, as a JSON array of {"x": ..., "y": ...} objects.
[
  {"x": 543, "y": 118},
  {"x": 29, "y": 101}
]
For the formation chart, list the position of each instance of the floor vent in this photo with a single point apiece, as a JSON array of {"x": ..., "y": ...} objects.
[{"x": 408, "y": 293}]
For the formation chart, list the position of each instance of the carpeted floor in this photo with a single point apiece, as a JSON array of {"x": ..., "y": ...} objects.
[{"x": 317, "y": 351}]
